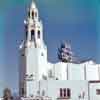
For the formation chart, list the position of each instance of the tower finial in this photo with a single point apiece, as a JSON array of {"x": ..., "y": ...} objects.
[{"x": 33, "y": 5}]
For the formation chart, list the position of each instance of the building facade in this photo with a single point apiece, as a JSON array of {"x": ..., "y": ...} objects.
[{"x": 39, "y": 77}]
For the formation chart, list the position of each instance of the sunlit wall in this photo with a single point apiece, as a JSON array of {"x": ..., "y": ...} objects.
[{"x": 74, "y": 20}]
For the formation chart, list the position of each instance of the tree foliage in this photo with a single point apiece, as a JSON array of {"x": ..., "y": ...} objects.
[{"x": 7, "y": 94}]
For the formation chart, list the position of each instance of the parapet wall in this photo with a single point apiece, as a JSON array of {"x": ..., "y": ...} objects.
[{"x": 71, "y": 71}]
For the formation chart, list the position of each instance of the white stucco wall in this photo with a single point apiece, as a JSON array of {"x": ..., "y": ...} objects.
[
  {"x": 36, "y": 62},
  {"x": 76, "y": 72},
  {"x": 32, "y": 88},
  {"x": 60, "y": 70},
  {"x": 92, "y": 72},
  {"x": 77, "y": 87},
  {"x": 42, "y": 62},
  {"x": 72, "y": 71},
  {"x": 32, "y": 62},
  {"x": 92, "y": 91}
]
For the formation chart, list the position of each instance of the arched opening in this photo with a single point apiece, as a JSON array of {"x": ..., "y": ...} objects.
[
  {"x": 35, "y": 14},
  {"x": 26, "y": 31},
  {"x": 38, "y": 33},
  {"x": 65, "y": 93},
  {"x": 29, "y": 14},
  {"x": 32, "y": 14},
  {"x": 32, "y": 34},
  {"x": 26, "y": 34},
  {"x": 68, "y": 93}
]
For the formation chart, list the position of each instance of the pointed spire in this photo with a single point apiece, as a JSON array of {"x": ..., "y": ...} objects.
[{"x": 33, "y": 5}]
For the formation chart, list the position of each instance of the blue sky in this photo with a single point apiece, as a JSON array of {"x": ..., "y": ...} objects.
[{"x": 75, "y": 20}]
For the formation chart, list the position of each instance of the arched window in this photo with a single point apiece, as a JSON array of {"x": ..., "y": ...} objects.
[
  {"x": 38, "y": 33},
  {"x": 26, "y": 31},
  {"x": 22, "y": 91},
  {"x": 68, "y": 93},
  {"x": 26, "y": 34},
  {"x": 35, "y": 14},
  {"x": 61, "y": 92},
  {"x": 29, "y": 14},
  {"x": 32, "y": 14},
  {"x": 32, "y": 34},
  {"x": 64, "y": 92}
]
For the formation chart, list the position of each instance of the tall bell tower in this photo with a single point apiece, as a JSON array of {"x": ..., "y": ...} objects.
[
  {"x": 34, "y": 27},
  {"x": 33, "y": 53}
]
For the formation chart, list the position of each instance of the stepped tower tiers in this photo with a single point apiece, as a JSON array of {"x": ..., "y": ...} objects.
[
  {"x": 33, "y": 66},
  {"x": 34, "y": 27}
]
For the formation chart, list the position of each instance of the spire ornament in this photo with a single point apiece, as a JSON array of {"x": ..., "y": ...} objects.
[{"x": 33, "y": 5}]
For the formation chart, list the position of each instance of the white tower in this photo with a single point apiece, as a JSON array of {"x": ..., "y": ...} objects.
[{"x": 33, "y": 51}]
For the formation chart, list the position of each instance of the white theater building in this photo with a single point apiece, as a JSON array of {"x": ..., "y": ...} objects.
[{"x": 42, "y": 80}]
